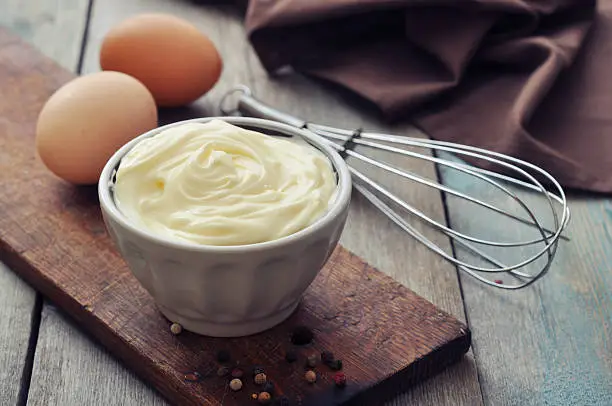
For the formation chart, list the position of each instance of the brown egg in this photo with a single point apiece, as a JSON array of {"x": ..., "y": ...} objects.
[
  {"x": 89, "y": 118},
  {"x": 173, "y": 59}
]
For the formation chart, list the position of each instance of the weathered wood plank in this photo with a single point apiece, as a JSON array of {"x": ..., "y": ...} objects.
[
  {"x": 50, "y": 234},
  {"x": 17, "y": 304},
  {"x": 55, "y": 27},
  {"x": 430, "y": 277},
  {"x": 68, "y": 364},
  {"x": 372, "y": 236},
  {"x": 72, "y": 369},
  {"x": 548, "y": 344}
]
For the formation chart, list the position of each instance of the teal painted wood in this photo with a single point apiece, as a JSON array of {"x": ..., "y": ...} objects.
[
  {"x": 16, "y": 307},
  {"x": 53, "y": 26},
  {"x": 549, "y": 344},
  {"x": 71, "y": 369}
]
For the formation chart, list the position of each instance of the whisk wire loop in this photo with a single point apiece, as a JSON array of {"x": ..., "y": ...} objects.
[
  {"x": 442, "y": 187},
  {"x": 345, "y": 141}
]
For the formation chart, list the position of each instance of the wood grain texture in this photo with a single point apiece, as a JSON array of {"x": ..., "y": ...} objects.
[
  {"x": 430, "y": 277},
  {"x": 549, "y": 344},
  {"x": 73, "y": 365},
  {"x": 370, "y": 234},
  {"x": 64, "y": 355},
  {"x": 53, "y": 235},
  {"x": 17, "y": 304},
  {"x": 55, "y": 27},
  {"x": 72, "y": 369}
]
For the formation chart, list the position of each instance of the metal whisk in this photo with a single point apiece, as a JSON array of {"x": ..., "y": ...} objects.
[{"x": 345, "y": 141}]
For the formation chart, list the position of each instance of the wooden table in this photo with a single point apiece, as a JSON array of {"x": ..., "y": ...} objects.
[{"x": 550, "y": 344}]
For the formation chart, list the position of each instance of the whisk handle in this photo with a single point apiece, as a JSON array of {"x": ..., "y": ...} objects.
[{"x": 250, "y": 106}]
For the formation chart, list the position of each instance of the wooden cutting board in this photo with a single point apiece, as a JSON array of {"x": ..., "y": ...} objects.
[{"x": 52, "y": 234}]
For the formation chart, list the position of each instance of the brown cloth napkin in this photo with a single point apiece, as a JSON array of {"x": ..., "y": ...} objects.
[{"x": 528, "y": 78}]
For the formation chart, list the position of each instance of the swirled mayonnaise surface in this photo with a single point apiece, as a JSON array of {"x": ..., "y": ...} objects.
[{"x": 218, "y": 184}]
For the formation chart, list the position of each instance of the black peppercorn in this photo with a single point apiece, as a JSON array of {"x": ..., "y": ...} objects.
[
  {"x": 335, "y": 365},
  {"x": 223, "y": 356},
  {"x": 258, "y": 370},
  {"x": 291, "y": 356},
  {"x": 268, "y": 387},
  {"x": 311, "y": 361},
  {"x": 327, "y": 357},
  {"x": 222, "y": 371},
  {"x": 302, "y": 335},
  {"x": 282, "y": 401}
]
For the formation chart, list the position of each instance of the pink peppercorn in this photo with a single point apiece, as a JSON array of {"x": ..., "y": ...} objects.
[
  {"x": 340, "y": 379},
  {"x": 237, "y": 373}
]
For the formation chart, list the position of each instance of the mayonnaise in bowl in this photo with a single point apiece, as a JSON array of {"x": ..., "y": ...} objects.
[{"x": 217, "y": 184}]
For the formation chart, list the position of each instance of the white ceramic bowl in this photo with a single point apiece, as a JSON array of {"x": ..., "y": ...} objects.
[{"x": 235, "y": 290}]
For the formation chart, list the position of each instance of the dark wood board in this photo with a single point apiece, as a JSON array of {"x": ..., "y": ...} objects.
[{"x": 52, "y": 234}]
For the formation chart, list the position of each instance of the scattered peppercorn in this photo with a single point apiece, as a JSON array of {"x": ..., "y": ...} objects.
[
  {"x": 176, "y": 329},
  {"x": 223, "y": 356},
  {"x": 222, "y": 371},
  {"x": 264, "y": 398},
  {"x": 335, "y": 365},
  {"x": 291, "y": 356},
  {"x": 499, "y": 281},
  {"x": 193, "y": 376},
  {"x": 310, "y": 376},
  {"x": 237, "y": 373},
  {"x": 207, "y": 368},
  {"x": 340, "y": 379},
  {"x": 235, "y": 384},
  {"x": 268, "y": 387},
  {"x": 258, "y": 370},
  {"x": 327, "y": 357},
  {"x": 311, "y": 361},
  {"x": 282, "y": 401},
  {"x": 260, "y": 379},
  {"x": 302, "y": 335}
]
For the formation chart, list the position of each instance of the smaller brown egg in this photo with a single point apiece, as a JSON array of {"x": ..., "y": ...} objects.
[{"x": 88, "y": 119}]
